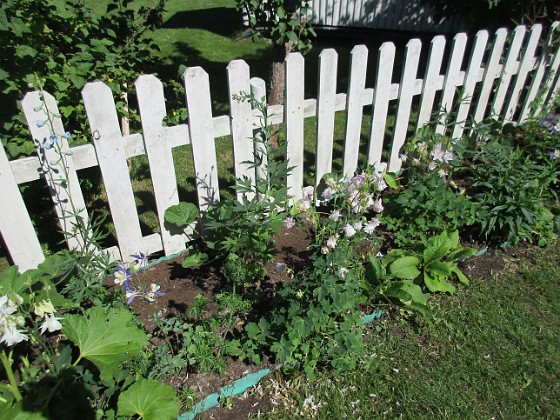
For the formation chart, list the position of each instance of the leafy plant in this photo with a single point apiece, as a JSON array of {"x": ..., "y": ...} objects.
[
  {"x": 149, "y": 399},
  {"x": 401, "y": 276}
]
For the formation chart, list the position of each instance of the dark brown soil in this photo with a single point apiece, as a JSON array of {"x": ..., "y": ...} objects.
[{"x": 181, "y": 286}]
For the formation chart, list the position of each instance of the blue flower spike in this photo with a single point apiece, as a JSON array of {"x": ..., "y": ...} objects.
[
  {"x": 67, "y": 135},
  {"x": 40, "y": 123}
]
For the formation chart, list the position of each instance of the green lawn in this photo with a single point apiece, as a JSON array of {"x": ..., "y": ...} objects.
[{"x": 492, "y": 352}]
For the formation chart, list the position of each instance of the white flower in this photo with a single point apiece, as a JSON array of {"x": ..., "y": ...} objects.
[
  {"x": 328, "y": 193},
  {"x": 308, "y": 193},
  {"x": 335, "y": 215},
  {"x": 6, "y": 306},
  {"x": 378, "y": 205},
  {"x": 331, "y": 242},
  {"x": 12, "y": 335},
  {"x": 51, "y": 323},
  {"x": 372, "y": 224},
  {"x": 381, "y": 185},
  {"x": 342, "y": 271},
  {"x": 324, "y": 250},
  {"x": 358, "y": 225},
  {"x": 349, "y": 231},
  {"x": 151, "y": 295}
]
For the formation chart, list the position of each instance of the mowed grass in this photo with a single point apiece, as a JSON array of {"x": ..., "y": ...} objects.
[{"x": 493, "y": 352}]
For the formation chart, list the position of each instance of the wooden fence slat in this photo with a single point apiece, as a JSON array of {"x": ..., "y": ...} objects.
[
  {"x": 16, "y": 226},
  {"x": 546, "y": 89},
  {"x": 258, "y": 90},
  {"x": 524, "y": 68},
  {"x": 382, "y": 96},
  {"x": 406, "y": 92},
  {"x": 201, "y": 128},
  {"x": 471, "y": 78},
  {"x": 509, "y": 69},
  {"x": 295, "y": 88},
  {"x": 59, "y": 171},
  {"x": 326, "y": 97},
  {"x": 151, "y": 104},
  {"x": 355, "y": 108},
  {"x": 452, "y": 79},
  {"x": 432, "y": 81},
  {"x": 109, "y": 145},
  {"x": 537, "y": 86},
  {"x": 241, "y": 121},
  {"x": 491, "y": 72}
]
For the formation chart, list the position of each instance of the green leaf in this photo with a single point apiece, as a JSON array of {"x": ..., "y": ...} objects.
[
  {"x": 461, "y": 254},
  {"x": 106, "y": 338},
  {"x": 405, "y": 268},
  {"x": 438, "y": 246},
  {"x": 438, "y": 284},
  {"x": 460, "y": 275},
  {"x": 438, "y": 269},
  {"x": 391, "y": 180},
  {"x": 195, "y": 260},
  {"x": 149, "y": 399},
  {"x": 182, "y": 214},
  {"x": 16, "y": 412}
]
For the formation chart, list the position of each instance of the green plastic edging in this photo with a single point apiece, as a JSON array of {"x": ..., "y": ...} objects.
[{"x": 239, "y": 386}]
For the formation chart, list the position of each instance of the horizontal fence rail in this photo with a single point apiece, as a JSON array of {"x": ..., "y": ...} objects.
[{"x": 498, "y": 76}]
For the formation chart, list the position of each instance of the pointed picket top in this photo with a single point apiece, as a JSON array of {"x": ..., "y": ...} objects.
[
  {"x": 453, "y": 78},
  {"x": 491, "y": 72},
  {"x": 406, "y": 93},
  {"x": 433, "y": 80},
  {"x": 295, "y": 89},
  {"x": 471, "y": 78},
  {"x": 508, "y": 70},
  {"x": 354, "y": 108},
  {"x": 15, "y": 224},
  {"x": 537, "y": 91},
  {"x": 241, "y": 112},
  {"x": 151, "y": 104},
  {"x": 258, "y": 91},
  {"x": 382, "y": 96},
  {"x": 326, "y": 99},
  {"x": 525, "y": 66},
  {"x": 201, "y": 128},
  {"x": 44, "y": 120},
  {"x": 109, "y": 147}
]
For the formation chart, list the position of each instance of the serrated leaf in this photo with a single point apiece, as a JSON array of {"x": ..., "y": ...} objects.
[
  {"x": 182, "y": 214},
  {"x": 195, "y": 260},
  {"x": 106, "y": 338},
  {"x": 149, "y": 399},
  {"x": 405, "y": 268}
]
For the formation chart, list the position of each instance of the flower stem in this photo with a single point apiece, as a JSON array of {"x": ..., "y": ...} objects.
[{"x": 7, "y": 362}]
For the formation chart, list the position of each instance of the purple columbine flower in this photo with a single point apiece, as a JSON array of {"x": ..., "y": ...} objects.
[{"x": 142, "y": 260}]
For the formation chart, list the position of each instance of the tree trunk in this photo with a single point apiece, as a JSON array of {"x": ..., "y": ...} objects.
[{"x": 277, "y": 83}]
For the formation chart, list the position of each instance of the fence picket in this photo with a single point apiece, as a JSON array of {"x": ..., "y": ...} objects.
[
  {"x": 59, "y": 172},
  {"x": 111, "y": 150},
  {"x": 491, "y": 73},
  {"x": 537, "y": 87},
  {"x": 241, "y": 121},
  {"x": 151, "y": 104},
  {"x": 525, "y": 66},
  {"x": 258, "y": 90},
  {"x": 508, "y": 71},
  {"x": 201, "y": 128},
  {"x": 382, "y": 96},
  {"x": 471, "y": 78},
  {"x": 295, "y": 88},
  {"x": 108, "y": 141},
  {"x": 432, "y": 82},
  {"x": 406, "y": 92},
  {"x": 16, "y": 226},
  {"x": 453, "y": 78},
  {"x": 326, "y": 97},
  {"x": 354, "y": 109}
]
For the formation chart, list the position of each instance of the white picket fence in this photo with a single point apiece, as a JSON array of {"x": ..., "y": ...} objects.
[
  {"x": 404, "y": 15},
  {"x": 501, "y": 78}
]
